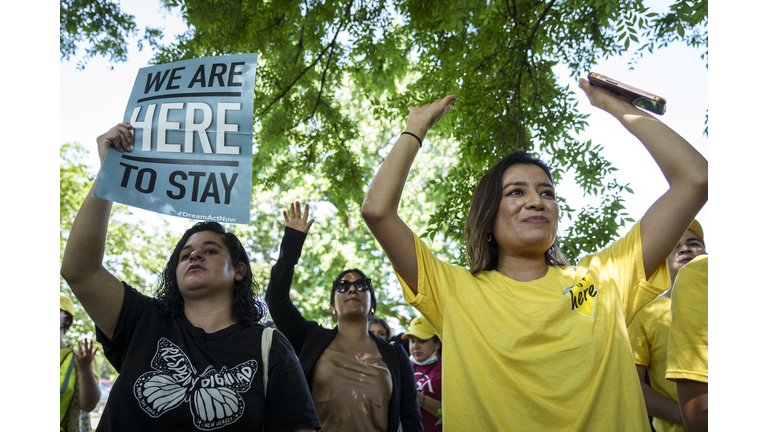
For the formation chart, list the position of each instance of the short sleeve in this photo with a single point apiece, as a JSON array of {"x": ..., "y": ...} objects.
[
  {"x": 134, "y": 304},
  {"x": 638, "y": 340},
  {"x": 437, "y": 284},
  {"x": 623, "y": 262},
  {"x": 289, "y": 403},
  {"x": 688, "y": 348}
]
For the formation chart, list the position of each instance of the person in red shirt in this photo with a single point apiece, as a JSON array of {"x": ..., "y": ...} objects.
[{"x": 427, "y": 369}]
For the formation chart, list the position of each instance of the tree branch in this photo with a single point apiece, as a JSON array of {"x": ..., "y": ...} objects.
[
  {"x": 299, "y": 46},
  {"x": 539, "y": 21},
  {"x": 314, "y": 62},
  {"x": 514, "y": 12},
  {"x": 487, "y": 58},
  {"x": 325, "y": 71},
  {"x": 290, "y": 86}
]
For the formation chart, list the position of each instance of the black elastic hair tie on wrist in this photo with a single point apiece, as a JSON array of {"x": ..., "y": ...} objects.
[{"x": 417, "y": 138}]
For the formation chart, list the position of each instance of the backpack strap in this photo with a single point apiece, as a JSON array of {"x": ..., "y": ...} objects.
[{"x": 266, "y": 344}]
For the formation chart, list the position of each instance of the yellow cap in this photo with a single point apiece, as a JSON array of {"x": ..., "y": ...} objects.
[
  {"x": 67, "y": 305},
  {"x": 421, "y": 329},
  {"x": 696, "y": 228}
]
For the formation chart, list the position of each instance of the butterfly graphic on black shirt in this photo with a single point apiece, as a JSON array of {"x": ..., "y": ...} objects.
[{"x": 213, "y": 397}]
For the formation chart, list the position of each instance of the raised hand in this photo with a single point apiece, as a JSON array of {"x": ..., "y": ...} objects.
[
  {"x": 421, "y": 119},
  {"x": 119, "y": 137},
  {"x": 84, "y": 357},
  {"x": 605, "y": 100},
  {"x": 296, "y": 220}
]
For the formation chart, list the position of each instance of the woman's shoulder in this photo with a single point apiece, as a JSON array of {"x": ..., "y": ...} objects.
[
  {"x": 391, "y": 349},
  {"x": 319, "y": 335}
]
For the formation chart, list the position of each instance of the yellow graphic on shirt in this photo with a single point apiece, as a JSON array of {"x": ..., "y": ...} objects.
[{"x": 583, "y": 296}]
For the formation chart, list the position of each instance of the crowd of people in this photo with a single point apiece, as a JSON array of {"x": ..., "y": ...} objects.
[{"x": 528, "y": 341}]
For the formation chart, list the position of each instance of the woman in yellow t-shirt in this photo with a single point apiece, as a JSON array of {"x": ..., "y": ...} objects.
[{"x": 532, "y": 343}]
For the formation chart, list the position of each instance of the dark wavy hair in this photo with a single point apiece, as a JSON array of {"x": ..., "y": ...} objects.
[
  {"x": 482, "y": 254},
  {"x": 247, "y": 307},
  {"x": 381, "y": 322},
  {"x": 362, "y": 275}
]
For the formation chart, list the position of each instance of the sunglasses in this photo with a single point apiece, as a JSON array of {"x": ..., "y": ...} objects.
[{"x": 343, "y": 286}]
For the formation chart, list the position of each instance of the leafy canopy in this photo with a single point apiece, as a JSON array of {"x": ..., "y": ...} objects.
[
  {"x": 103, "y": 25},
  {"x": 334, "y": 81}
]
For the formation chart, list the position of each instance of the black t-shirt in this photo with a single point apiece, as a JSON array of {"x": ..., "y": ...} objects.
[{"x": 174, "y": 376}]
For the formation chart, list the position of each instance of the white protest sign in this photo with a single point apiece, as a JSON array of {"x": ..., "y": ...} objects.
[{"x": 192, "y": 141}]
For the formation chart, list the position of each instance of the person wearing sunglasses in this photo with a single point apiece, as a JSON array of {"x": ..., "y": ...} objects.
[{"x": 358, "y": 382}]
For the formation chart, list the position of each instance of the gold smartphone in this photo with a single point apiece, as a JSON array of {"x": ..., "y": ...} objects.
[{"x": 639, "y": 98}]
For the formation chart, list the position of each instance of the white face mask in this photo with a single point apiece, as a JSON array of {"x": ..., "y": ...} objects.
[{"x": 430, "y": 360}]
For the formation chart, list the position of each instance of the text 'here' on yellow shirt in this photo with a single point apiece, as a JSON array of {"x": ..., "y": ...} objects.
[{"x": 550, "y": 354}]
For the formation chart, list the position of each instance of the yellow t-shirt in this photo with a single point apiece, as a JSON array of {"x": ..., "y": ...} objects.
[
  {"x": 648, "y": 336},
  {"x": 688, "y": 349},
  {"x": 550, "y": 354}
]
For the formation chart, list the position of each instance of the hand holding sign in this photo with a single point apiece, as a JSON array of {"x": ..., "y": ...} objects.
[
  {"x": 190, "y": 151},
  {"x": 119, "y": 137}
]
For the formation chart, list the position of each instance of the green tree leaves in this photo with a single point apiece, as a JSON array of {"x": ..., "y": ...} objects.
[
  {"x": 686, "y": 21},
  {"x": 102, "y": 25},
  {"x": 333, "y": 85}
]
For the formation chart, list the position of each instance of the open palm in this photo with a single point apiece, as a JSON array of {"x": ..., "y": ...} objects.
[{"x": 296, "y": 220}]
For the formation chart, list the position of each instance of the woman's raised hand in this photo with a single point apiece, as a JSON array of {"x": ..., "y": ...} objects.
[
  {"x": 84, "y": 356},
  {"x": 119, "y": 137},
  {"x": 603, "y": 99},
  {"x": 421, "y": 119},
  {"x": 296, "y": 220}
]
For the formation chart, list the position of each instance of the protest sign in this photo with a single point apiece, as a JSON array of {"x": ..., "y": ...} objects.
[{"x": 192, "y": 141}]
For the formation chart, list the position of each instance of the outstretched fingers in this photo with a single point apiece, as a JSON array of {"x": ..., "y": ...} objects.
[
  {"x": 296, "y": 220},
  {"x": 421, "y": 119},
  {"x": 85, "y": 352}
]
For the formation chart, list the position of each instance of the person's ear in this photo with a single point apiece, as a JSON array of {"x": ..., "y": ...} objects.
[{"x": 240, "y": 271}]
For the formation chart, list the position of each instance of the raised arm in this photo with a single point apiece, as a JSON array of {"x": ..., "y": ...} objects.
[
  {"x": 287, "y": 318},
  {"x": 89, "y": 388},
  {"x": 685, "y": 169},
  {"x": 383, "y": 197},
  {"x": 100, "y": 293}
]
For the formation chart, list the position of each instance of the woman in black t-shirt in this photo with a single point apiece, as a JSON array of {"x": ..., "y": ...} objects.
[{"x": 191, "y": 357}]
